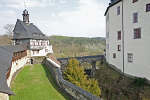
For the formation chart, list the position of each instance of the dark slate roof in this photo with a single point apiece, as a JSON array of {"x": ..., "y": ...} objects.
[
  {"x": 14, "y": 48},
  {"x": 23, "y": 31},
  {"x": 6, "y": 54},
  {"x": 111, "y": 4},
  {"x": 25, "y": 12},
  {"x": 3, "y": 83}
]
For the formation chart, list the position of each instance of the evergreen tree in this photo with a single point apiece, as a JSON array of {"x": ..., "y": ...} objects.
[{"x": 76, "y": 75}]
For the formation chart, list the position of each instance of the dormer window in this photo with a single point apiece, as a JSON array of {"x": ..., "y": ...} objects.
[{"x": 34, "y": 34}]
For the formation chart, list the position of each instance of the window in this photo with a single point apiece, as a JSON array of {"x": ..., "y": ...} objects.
[
  {"x": 46, "y": 50},
  {"x": 33, "y": 52},
  {"x": 148, "y": 7},
  {"x": 137, "y": 33},
  {"x": 107, "y": 35},
  {"x": 114, "y": 55},
  {"x": 135, "y": 17},
  {"x": 37, "y": 52},
  {"x": 118, "y": 10},
  {"x": 107, "y": 18},
  {"x": 135, "y": 1},
  {"x": 119, "y": 35},
  {"x": 33, "y": 42},
  {"x": 130, "y": 57},
  {"x": 119, "y": 47},
  {"x": 107, "y": 46}
]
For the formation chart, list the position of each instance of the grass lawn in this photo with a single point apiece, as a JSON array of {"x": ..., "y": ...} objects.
[{"x": 36, "y": 82}]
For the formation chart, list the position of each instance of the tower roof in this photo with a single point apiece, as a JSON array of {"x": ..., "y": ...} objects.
[{"x": 25, "y": 12}]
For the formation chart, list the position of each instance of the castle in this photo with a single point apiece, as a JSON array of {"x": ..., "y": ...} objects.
[
  {"x": 28, "y": 42},
  {"x": 128, "y": 36}
]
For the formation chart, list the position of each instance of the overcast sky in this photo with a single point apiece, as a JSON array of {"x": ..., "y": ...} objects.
[{"x": 77, "y": 18}]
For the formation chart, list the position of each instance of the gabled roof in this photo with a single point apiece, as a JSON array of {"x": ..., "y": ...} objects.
[
  {"x": 14, "y": 48},
  {"x": 24, "y": 31},
  {"x": 3, "y": 83},
  {"x": 111, "y": 4},
  {"x": 6, "y": 54}
]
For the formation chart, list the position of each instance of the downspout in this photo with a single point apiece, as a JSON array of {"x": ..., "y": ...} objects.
[{"x": 122, "y": 38}]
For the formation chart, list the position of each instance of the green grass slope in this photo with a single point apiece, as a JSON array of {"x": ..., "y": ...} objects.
[
  {"x": 116, "y": 86},
  {"x": 36, "y": 83}
]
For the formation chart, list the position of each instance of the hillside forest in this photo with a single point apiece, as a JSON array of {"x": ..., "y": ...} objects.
[{"x": 64, "y": 46}]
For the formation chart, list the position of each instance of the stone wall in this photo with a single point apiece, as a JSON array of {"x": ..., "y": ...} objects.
[
  {"x": 39, "y": 60},
  {"x": 73, "y": 91}
]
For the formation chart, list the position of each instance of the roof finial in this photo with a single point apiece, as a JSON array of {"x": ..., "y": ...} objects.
[{"x": 25, "y": 5}]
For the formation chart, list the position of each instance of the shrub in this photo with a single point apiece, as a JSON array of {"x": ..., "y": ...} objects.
[
  {"x": 140, "y": 81},
  {"x": 75, "y": 74}
]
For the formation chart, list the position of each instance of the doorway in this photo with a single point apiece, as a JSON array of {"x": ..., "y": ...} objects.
[{"x": 31, "y": 61}]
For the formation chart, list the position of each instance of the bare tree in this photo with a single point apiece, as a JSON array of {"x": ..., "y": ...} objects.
[
  {"x": 6, "y": 38},
  {"x": 9, "y": 29}
]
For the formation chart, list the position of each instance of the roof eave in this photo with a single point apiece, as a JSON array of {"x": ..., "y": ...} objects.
[{"x": 111, "y": 6}]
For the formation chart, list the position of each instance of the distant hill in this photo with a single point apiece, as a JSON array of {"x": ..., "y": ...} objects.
[{"x": 64, "y": 46}]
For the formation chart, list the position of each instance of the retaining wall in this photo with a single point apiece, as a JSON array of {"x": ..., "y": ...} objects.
[{"x": 73, "y": 91}]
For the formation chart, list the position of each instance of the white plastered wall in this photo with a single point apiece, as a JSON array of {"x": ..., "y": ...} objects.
[
  {"x": 114, "y": 25},
  {"x": 15, "y": 66},
  {"x": 140, "y": 48}
]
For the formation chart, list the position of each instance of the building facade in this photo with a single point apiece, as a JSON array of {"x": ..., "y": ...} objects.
[
  {"x": 29, "y": 34},
  {"x": 128, "y": 36}
]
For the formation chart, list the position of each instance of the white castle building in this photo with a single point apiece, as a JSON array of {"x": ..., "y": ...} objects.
[{"x": 128, "y": 36}]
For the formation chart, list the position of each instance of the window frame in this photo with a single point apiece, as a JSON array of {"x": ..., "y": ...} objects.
[
  {"x": 33, "y": 52},
  {"x": 135, "y": 18},
  {"x": 46, "y": 50},
  {"x": 147, "y": 6},
  {"x": 118, "y": 10},
  {"x": 137, "y": 35},
  {"x": 119, "y": 47},
  {"x": 131, "y": 57},
  {"x": 119, "y": 35},
  {"x": 37, "y": 52},
  {"x": 114, "y": 55},
  {"x": 107, "y": 46},
  {"x": 107, "y": 17},
  {"x": 135, "y": 1},
  {"x": 107, "y": 34}
]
